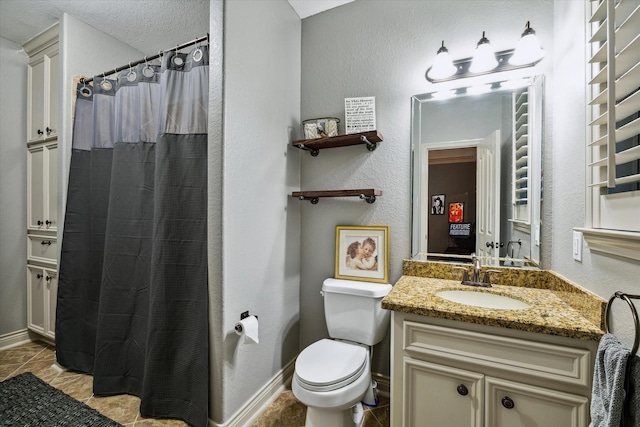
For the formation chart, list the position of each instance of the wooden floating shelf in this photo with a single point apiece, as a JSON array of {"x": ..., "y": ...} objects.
[
  {"x": 368, "y": 194},
  {"x": 370, "y": 138}
]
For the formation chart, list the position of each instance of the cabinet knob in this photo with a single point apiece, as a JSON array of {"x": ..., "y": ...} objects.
[
  {"x": 45, "y": 242},
  {"x": 40, "y": 132},
  {"x": 462, "y": 390},
  {"x": 47, "y": 278},
  {"x": 39, "y": 222},
  {"x": 49, "y": 130},
  {"x": 39, "y": 276},
  {"x": 508, "y": 403},
  {"x": 48, "y": 222}
]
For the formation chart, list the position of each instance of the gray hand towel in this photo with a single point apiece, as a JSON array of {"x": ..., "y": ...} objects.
[
  {"x": 608, "y": 393},
  {"x": 632, "y": 410}
]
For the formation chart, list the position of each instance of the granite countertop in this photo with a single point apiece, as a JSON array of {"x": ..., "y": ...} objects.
[{"x": 553, "y": 309}]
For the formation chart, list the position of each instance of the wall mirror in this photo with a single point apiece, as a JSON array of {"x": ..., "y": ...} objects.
[{"x": 477, "y": 173}]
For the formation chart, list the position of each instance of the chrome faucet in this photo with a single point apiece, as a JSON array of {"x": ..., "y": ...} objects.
[
  {"x": 477, "y": 271},
  {"x": 477, "y": 268}
]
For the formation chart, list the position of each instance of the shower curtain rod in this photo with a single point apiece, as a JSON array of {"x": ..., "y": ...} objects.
[{"x": 146, "y": 59}]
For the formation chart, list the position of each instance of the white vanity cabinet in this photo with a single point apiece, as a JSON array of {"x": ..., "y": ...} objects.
[{"x": 450, "y": 373}]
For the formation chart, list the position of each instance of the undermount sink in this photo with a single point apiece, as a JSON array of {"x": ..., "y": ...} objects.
[{"x": 483, "y": 299}]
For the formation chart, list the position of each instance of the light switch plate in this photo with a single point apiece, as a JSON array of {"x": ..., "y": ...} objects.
[{"x": 577, "y": 246}]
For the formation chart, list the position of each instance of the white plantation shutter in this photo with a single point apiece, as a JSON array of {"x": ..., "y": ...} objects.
[
  {"x": 521, "y": 183},
  {"x": 614, "y": 89}
]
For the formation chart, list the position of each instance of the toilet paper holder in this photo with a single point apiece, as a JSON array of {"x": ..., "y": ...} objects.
[{"x": 243, "y": 315}]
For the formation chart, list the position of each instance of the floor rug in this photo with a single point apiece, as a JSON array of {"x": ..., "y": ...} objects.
[{"x": 27, "y": 401}]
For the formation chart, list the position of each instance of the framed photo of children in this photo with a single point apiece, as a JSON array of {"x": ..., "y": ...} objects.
[{"x": 362, "y": 253}]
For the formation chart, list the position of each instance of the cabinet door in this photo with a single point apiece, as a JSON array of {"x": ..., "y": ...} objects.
[
  {"x": 35, "y": 187},
  {"x": 35, "y": 299},
  {"x": 36, "y": 100},
  {"x": 51, "y": 128},
  {"x": 512, "y": 404},
  {"x": 51, "y": 293},
  {"x": 51, "y": 186},
  {"x": 42, "y": 184},
  {"x": 437, "y": 396}
]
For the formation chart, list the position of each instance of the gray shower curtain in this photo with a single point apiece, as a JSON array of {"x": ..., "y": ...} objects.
[{"x": 132, "y": 303}]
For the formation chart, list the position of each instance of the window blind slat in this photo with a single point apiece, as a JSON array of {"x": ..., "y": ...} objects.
[
  {"x": 600, "y": 34},
  {"x": 628, "y": 29},
  {"x": 627, "y": 131},
  {"x": 600, "y": 141},
  {"x": 628, "y": 155},
  {"x": 628, "y": 57},
  {"x": 600, "y": 13},
  {"x": 600, "y": 98},
  {"x": 628, "y": 83},
  {"x": 600, "y": 55},
  {"x": 601, "y": 77},
  {"x": 623, "y": 10},
  {"x": 630, "y": 105},
  {"x": 602, "y": 120},
  {"x": 599, "y": 162},
  {"x": 628, "y": 179}
]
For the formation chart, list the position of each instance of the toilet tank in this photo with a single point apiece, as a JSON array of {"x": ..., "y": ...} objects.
[{"x": 353, "y": 310}]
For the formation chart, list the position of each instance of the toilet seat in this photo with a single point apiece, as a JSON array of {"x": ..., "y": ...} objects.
[{"x": 328, "y": 365}]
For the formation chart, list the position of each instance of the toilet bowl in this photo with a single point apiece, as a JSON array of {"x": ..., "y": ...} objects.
[{"x": 332, "y": 376}]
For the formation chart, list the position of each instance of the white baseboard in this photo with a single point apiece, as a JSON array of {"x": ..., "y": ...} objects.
[
  {"x": 260, "y": 401},
  {"x": 14, "y": 339}
]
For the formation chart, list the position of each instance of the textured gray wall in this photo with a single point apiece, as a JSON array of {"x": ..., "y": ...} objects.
[
  {"x": 13, "y": 187},
  {"x": 382, "y": 49},
  {"x": 260, "y": 222}
]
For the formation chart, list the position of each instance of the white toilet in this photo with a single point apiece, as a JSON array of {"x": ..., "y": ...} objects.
[{"x": 332, "y": 376}]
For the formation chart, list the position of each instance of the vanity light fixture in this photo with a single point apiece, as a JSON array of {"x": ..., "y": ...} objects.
[
  {"x": 443, "y": 65},
  {"x": 485, "y": 61},
  {"x": 528, "y": 49}
]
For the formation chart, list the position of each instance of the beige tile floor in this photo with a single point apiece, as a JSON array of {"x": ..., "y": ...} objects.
[{"x": 38, "y": 358}]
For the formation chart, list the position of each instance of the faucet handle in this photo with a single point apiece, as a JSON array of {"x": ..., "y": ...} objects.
[
  {"x": 487, "y": 275},
  {"x": 465, "y": 276}
]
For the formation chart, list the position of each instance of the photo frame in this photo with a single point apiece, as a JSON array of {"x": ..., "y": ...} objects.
[
  {"x": 437, "y": 204},
  {"x": 456, "y": 212},
  {"x": 362, "y": 253}
]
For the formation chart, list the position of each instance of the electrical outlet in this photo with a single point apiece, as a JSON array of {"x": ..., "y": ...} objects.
[{"x": 577, "y": 246}]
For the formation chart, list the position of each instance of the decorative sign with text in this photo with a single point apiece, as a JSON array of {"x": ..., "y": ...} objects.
[
  {"x": 360, "y": 114},
  {"x": 460, "y": 229}
]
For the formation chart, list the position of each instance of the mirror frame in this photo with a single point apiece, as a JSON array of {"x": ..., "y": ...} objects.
[{"x": 419, "y": 169}]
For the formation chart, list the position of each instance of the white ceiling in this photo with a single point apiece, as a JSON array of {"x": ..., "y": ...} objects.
[
  {"x": 305, "y": 8},
  {"x": 142, "y": 24}
]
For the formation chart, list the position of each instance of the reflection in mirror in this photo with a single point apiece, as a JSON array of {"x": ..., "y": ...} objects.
[{"x": 477, "y": 173}]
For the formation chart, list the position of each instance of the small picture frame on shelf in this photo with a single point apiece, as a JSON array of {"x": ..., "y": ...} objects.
[{"x": 362, "y": 253}]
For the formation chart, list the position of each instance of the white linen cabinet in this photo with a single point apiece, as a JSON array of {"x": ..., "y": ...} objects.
[{"x": 42, "y": 183}]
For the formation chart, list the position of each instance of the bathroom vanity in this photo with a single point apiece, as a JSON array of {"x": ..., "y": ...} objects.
[{"x": 460, "y": 364}]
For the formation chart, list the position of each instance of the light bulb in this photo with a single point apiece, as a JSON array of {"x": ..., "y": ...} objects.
[
  {"x": 528, "y": 49},
  {"x": 484, "y": 58},
  {"x": 443, "y": 65}
]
